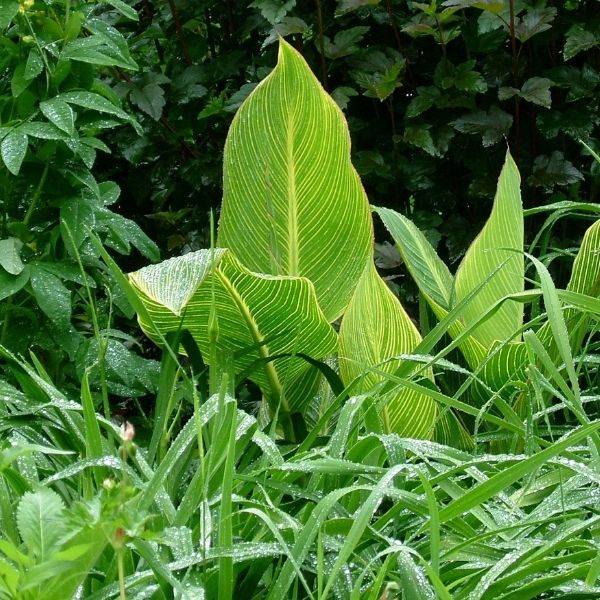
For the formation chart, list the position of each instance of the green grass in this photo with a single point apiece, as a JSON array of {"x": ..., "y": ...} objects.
[{"x": 208, "y": 501}]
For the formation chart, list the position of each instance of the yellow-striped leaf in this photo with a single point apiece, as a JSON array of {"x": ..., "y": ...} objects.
[
  {"x": 500, "y": 242},
  {"x": 375, "y": 329},
  {"x": 267, "y": 314},
  {"x": 292, "y": 202}
]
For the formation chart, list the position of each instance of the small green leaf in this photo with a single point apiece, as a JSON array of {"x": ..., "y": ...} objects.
[
  {"x": 149, "y": 98},
  {"x": 11, "y": 284},
  {"x": 126, "y": 10},
  {"x": 579, "y": 40},
  {"x": 424, "y": 100},
  {"x": 344, "y": 43},
  {"x": 53, "y": 298},
  {"x": 41, "y": 523},
  {"x": 59, "y": 113},
  {"x": 10, "y": 255},
  {"x": 345, "y": 6},
  {"x": 13, "y": 149},
  {"x": 34, "y": 65},
  {"x": 19, "y": 83},
  {"x": 419, "y": 136},
  {"x": 492, "y": 126},
  {"x": 93, "y": 101},
  {"x": 43, "y": 131},
  {"x": 552, "y": 170},
  {"x": 273, "y": 10},
  {"x": 537, "y": 91},
  {"x": 535, "y": 21},
  {"x": 8, "y": 10}
]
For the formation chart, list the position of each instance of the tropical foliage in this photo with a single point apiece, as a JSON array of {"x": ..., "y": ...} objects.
[{"x": 290, "y": 425}]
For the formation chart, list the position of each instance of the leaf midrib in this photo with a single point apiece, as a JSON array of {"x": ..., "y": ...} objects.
[
  {"x": 257, "y": 337},
  {"x": 292, "y": 200}
]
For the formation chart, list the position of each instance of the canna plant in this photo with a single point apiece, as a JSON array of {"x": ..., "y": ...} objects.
[{"x": 294, "y": 257}]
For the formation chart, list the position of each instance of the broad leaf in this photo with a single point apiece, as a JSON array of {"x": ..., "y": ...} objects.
[
  {"x": 59, "y": 113},
  {"x": 13, "y": 149},
  {"x": 258, "y": 315},
  {"x": 375, "y": 329},
  {"x": 41, "y": 523},
  {"x": 10, "y": 255},
  {"x": 292, "y": 202},
  {"x": 500, "y": 242}
]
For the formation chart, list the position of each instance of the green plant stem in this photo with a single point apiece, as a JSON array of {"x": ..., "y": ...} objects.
[
  {"x": 36, "y": 195},
  {"x": 121, "y": 570}
]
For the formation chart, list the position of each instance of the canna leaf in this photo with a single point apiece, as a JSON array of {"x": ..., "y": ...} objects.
[
  {"x": 500, "y": 242},
  {"x": 292, "y": 202},
  {"x": 258, "y": 316},
  {"x": 375, "y": 329}
]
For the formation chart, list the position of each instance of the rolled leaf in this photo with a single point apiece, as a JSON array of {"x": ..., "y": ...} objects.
[
  {"x": 375, "y": 329},
  {"x": 292, "y": 202},
  {"x": 258, "y": 315},
  {"x": 500, "y": 242},
  {"x": 427, "y": 269}
]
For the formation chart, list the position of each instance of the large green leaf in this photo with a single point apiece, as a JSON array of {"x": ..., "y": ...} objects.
[
  {"x": 430, "y": 274},
  {"x": 499, "y": 244},
  {"x": 585, "y": 279},
  {"x": 258, "y": 316},
  {"x": 375, "y": 329},
  {"x": 292, "y": 202}
]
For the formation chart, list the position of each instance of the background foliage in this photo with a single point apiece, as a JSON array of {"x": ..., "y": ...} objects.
[{"x": 113, "y": 118}]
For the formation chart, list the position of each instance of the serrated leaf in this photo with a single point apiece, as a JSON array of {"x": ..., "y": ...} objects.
[
  {"x": 258, "y": 315},
  {"x": 506, "y": 93},
  {"x": 492, "y": 6},
  {"x": 289, "y": 185},
  {"x": 345, "y": 6},
  {"x": 34, "y": 65},
  {"x": 376, "y": 328},
  {"x": 552, "y": 170},
  {"x": 10, "y": 255},
  {"x": 345, "y": 42},
  {"x": 419, "y": 136},
  {"x": 150, "y": 99},
  {"x": 579, "y": 40},
  {"x": 500, "y": 243},
  {"x": 41, "y": 523},
  {"x": 537, "y": 91},
  {"x": 272, "y": 10},
  {"x": 287, "y": 26},
  {"x": 342, "y": 96},
  {"x": 492, "y": 125},
  {"x": 13, "y": 149},
  {"x": 60, "y": 114},
  {"x": 533, "y": 22},
  {"x": 53, "y": 298},
  {"x": 424, "y": 100}
]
